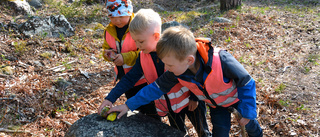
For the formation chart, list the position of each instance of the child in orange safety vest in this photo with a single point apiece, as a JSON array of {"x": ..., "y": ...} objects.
[
  {"x": 120, "y": 48},
  {"x": 146, "y": 29},
  {"x": 213, "y": 75}
]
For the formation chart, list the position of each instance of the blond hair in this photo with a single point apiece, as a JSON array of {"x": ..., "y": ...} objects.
[
  {"x": 178, "y": 41},
  {"x": 145, "y": 20}
]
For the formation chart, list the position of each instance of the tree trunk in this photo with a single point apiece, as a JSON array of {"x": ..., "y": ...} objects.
[{"x": 229, "y": 4}]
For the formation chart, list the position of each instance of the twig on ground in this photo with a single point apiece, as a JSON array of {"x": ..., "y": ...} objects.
[
  {"x": 6, "y": 98},
  {"x": 68, "y": 123},
  {"x": 4, "y": 76},
  {"x": 13, "y": 131},
  {"x": 61, "y": 65},
  {"x": 4, "y": 115}
]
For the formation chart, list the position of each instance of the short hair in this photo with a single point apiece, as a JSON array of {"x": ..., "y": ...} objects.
[
  {"x": 177, "y": 40},
  {"x": 145, "y": 20}
]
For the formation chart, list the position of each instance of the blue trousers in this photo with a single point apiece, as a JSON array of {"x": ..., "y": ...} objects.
[
  {"x": 221, "y": 121},
  {"x": 197, "y": 118}
]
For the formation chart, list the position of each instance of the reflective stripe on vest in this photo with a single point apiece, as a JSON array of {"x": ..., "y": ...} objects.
[
  {"x": 176, "y": 108},
  {"x": 178, "y": 100},
  {"x": 178, "y": 95},
  {"x": 130, "y": 46},
  {"x": 224, "y": 94}
]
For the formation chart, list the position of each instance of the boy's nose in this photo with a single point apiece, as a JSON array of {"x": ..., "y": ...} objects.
[
  {"x": 117, "y": 20},
  {"x": 138, "y": 45}
]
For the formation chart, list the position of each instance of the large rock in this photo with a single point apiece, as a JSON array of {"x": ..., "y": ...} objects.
[
  {"x": 169, "y": 24},
  {"x": 134, "y": 125},
  {"x": 21, "y": 7},
  {"x": 52, "y": 26},
  {"x": 221, "y": 20},
  {"x": 35, "y": 3}
]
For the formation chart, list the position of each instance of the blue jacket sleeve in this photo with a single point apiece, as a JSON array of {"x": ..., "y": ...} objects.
[
  {"x": 126, "y": 82},
  {"x": 147, "y": 94},
  {"x": 246, "y": 87},
  {"x": 247, "y": 95}
]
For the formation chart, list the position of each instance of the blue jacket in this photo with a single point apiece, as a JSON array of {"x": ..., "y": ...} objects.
[{"x": 232, "y": 69}]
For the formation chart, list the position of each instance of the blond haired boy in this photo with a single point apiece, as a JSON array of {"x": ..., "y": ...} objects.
[{"x": 146, "y": 30}]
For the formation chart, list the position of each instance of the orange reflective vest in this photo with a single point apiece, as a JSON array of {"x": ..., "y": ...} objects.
[
  {"x": 178, "y": 95},
  {"x": 223, "y": 94},
  {"x": 130, "y": 46}
]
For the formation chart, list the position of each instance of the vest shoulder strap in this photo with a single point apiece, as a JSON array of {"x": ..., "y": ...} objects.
[{"x": 203, "y": 46}]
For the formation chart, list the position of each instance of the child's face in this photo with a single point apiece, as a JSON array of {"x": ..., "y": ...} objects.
[
  {"x": 175, "y": 66},
  {"x": 146, "y": 41},
  {"x": 120, "y": 21}
]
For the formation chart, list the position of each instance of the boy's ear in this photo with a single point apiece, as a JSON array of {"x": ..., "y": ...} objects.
[
  {"x": 191, "y": 59},
  {"x": 156, "y": 36}
]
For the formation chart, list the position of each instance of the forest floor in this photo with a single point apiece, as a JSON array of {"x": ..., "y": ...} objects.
[{"x": 47, "y": 84}]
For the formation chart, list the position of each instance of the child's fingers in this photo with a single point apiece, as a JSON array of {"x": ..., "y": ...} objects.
[
  {"x": 121, "y": 114},
  {"x": 116, "y": 60},
  {"x": 116, "y": 56},
  {"x": 191, "y": 108},
  {"x": 100, "y": 108},
  {"x": 104, "y": 103},
  {"x": 113, "y": 109},
  {"x": 122, "y": 109}
]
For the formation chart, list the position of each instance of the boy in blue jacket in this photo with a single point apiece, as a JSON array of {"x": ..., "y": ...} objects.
[
  {"x": 146, "y": 29},
  {"x": 213, "y": 75}
]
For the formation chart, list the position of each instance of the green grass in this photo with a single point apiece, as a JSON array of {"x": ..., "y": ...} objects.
[
  {"x": 228, "y": 40},
  {"x": 248, "y": 45},
  {"x": 313, "y": 57},
  {"x": 61, "y": 110},
  {"x": 298, "y": 10},
  {"x": 262, "y": 10},
  {"x": 75, "y": 9},
  {"x": 46, "y": 55},
  {"x": 20, "y": 47},
  {"x": 61, "y": 36},
  {"x": 70, "y": 11},
  {"x": 66, "y": 65},
  {"x": 280, "y": 88},
  {"x": 260, "y": 62},
  {"x": 3, "y": 57},
  {"x": 188, "y": 16},
  {"x": 284, "y": 103},
  {"x": 306, "y": 69}
]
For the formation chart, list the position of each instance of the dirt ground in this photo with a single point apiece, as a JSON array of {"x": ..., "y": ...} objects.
[{"x": 56, "y": 81}]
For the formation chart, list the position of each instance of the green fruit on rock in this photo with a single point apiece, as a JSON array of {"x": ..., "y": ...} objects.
[
  {"x": 104, "y": 112},
  {"x": 112, "y": 116}
]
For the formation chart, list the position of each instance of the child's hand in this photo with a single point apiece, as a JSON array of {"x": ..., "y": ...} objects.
[
  {"x": 123, "y": 109},
  {"x": 244, "y": 121},
  {"x": 193, "y": 105},
  {"x": 118, "y": 60},
  {"x": 103, "y": 104}
]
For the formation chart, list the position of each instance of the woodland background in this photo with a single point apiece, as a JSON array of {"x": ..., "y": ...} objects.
[{"x": 46, "y": 83}]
